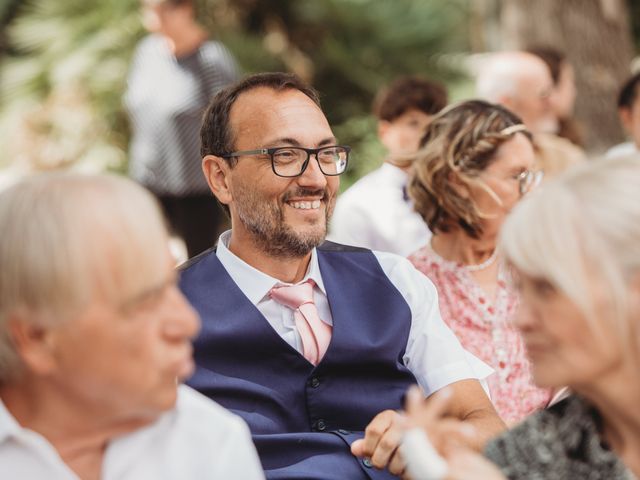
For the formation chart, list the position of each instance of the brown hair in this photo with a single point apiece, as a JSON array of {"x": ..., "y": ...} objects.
[
  {"x": 460, "y": 142},
  {"x": 215, "y": 135},
  {"x": 553, "y": 57},
  {"x": 567, "y": 127},
  {"x": 406, "y": 93}
]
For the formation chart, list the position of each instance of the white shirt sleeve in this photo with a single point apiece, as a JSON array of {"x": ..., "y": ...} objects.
[
  {"x": 209, "y": 442},
  {"x": 241, "y": 460},
  {"x": 433, "y": 354}
]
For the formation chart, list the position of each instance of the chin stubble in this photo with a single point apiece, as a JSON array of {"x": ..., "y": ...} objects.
[{"x": 271, "y": 234}]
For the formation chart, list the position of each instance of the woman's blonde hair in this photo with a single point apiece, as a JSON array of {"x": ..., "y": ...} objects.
[
  {"x": 585, "y": 225},
  {"x": 459, "y": 143}
]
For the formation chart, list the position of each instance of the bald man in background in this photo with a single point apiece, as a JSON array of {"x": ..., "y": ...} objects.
[{"x": 522, "y": 82}]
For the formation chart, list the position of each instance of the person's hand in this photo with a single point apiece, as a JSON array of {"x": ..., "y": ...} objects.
[
  {"x": 450, "y": 437},
  {"x": 430, "y": 415},
  {"x": 381, "y": 440}
]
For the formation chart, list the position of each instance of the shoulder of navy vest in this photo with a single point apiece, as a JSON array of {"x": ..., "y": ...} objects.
[
  {"x": 328, "y": 246},
  {"x": 197, "y": 258}
]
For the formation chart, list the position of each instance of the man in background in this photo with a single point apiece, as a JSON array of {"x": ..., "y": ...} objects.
[
  {"x": 376, "y": 212},
  {"x": 522, "y": 82}
]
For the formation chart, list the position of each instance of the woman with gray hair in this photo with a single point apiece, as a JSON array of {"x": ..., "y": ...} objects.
[
  {"x": 475, "y": 164},
  {"x": 574, "y": 249}
]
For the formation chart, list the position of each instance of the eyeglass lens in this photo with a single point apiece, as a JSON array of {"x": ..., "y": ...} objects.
[
  {"x": 529, "y": 180},
  {"x": 290, "y": 161}
]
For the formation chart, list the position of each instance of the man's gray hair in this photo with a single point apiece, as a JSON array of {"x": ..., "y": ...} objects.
[
  {"x": 67, "y": 238},
  {"x": 498, "y": 75}
]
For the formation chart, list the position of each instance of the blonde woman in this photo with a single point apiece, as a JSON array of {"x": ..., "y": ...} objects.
[
  {"x": 574, "y": 248},
  {"x": 475, "y": 165}
]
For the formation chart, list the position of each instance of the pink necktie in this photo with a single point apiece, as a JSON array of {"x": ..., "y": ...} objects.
[{"x": 315, "y": 334}]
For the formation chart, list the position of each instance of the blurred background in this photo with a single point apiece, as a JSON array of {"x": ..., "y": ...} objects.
[{"x": 64, "y": 63}]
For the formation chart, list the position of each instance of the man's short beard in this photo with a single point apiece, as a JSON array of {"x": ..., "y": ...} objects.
[
  {"x": 284, "y": 243},
  {"x": 275, "y": 238}
]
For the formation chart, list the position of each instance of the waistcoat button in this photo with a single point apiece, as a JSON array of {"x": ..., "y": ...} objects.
[
  {"x": 321, "y": 425},
  {"x": 367, "y": 463},
  {"x": 315, "y": 382}
]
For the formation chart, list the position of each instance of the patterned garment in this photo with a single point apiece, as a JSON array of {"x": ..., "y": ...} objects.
[
  {"x": 561, "y": 443},
  {"x": 166, "y": 97},
  {"x": 484, "y": 329}
]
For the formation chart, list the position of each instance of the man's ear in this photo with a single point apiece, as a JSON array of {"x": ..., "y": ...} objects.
[
  {"x": 507, "y": 101},
  {"x": 34, "y": 343},
  {"x": 383, "y": 131},
  {"x": 625, "y": 118},
  {"x": 383, "y": 127},
  {"x": 217, "y": 172}
]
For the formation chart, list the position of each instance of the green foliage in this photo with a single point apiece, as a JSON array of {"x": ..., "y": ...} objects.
[
  {"x": 367, "y": 154},
  {"x": 634, "y": 19},
  {"x": 62, "y": 83},
  {"x": 61, "y": 86},
  {"x": 348, "y": 49}
]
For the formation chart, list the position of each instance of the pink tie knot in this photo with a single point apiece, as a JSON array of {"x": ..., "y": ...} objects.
[
  {"x": 293, "y": 296},
  {"x": 314, "y": 333}
]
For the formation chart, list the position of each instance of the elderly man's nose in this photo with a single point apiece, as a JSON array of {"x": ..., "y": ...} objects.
[{"x": 183, "y": 322}]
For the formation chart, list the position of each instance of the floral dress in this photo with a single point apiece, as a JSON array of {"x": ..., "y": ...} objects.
[{"x": 484, "y": 328}]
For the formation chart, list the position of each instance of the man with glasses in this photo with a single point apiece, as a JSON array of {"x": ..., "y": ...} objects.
[
  {"x": 522, "y": 82},
  {"x": 311, "y": 342}
]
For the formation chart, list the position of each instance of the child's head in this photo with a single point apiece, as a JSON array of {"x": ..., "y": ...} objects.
[
  {"x": 404, "y": 109},
  {"x": 629, "y": 108}
]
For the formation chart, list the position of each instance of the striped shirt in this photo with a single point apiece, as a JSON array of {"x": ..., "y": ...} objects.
[{"x": 166, "y": 97}]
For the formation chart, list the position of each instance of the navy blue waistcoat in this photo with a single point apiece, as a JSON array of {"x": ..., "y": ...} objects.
[{"x": 304, "y": 418}]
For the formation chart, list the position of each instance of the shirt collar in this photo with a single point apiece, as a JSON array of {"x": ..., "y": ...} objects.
[
  {"x": 251, "y": 281},
  {"x": 394, "y": 174},
  {"x": 8, "y": 424}
]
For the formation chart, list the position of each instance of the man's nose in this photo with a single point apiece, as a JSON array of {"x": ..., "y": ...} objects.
[
  {"x": 312, "y": 177},
  {"x": 183, "y": 323},
  {"x": 550, "y": 99}
]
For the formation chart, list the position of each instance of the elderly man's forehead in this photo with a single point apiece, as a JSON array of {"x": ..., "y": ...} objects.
[
  {"x": 126, "y": 259},
  {"x": 518, "y": 65},
  {"x": 120, "y": 278}
]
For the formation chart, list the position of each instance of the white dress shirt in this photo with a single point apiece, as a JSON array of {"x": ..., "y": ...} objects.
[
  {"x": 433, "y": 354},
  {"x": 375, "y": 213},
  {"x": 621, "y": 150},
  {"x": 196, "y": 440}
]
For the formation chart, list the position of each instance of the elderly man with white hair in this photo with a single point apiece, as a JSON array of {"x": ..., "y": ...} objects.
[
  {"x": 94, "y": 338},
  {"x": 522, "y": 82}
]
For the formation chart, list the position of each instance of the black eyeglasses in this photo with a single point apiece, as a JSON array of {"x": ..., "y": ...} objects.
[{"x": 293, "y": 161}]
